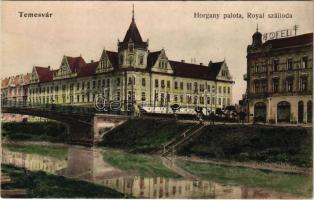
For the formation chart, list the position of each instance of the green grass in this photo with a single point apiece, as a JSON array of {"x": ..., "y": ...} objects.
[
  {"x": 143, "y": 135},
  {"x": 259, "y": 143},
  {"x": 139, "y": 164},
  {"x": 36, "y": 131},
  {"x": 56, "y": 152},
  {"x": 43, "y": 185},
  {"x": 276, "y": 181}
]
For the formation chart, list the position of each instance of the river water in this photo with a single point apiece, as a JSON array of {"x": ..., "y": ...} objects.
[{"x": 88, "y": 164}]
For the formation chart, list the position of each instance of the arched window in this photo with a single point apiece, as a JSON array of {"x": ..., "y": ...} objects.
[
  {"x": 283, "y": 111},
  {"x": 309, "y": 112},
  {"x": 300, "y": 111}
]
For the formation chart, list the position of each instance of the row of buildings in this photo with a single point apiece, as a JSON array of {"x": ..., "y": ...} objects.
[
  {"x": 279, "y": 79},
  {"x": 132, "y": 74}
]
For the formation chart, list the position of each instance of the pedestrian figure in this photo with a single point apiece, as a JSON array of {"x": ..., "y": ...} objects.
[
  {"x": 242, "y": 117},
  {"x": 212, "y": 118}
]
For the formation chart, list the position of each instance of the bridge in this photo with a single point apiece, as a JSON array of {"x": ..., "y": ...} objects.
[{"x": 85, "y": 125}]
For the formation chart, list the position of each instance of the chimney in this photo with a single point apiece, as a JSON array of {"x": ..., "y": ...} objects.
[
  {"x": 49, "y": 67},
  {"x": 91, "y": 61},
  {"x": 183, "y": 61},
  {"x": 201, "y": 64}
]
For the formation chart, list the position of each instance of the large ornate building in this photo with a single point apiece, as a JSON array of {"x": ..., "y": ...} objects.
[
  {"x": 279, "y": 79},
  {"x": 133, "y": 74}
]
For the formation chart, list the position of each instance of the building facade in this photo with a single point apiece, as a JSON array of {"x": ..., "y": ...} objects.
[
  {"x": 279, "y": 79},
  {"x": 135, "y": 75}
]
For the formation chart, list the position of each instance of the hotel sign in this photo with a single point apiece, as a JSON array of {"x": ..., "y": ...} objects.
[{"x": 281, "y": 34}]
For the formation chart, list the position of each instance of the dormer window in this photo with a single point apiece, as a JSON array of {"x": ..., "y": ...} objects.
[
  {"x": 131, "y": 48},
  {"x": 141, "y": 59},
  {"x": 121, "y": 59},
  {"x": 163, "y": 64}
]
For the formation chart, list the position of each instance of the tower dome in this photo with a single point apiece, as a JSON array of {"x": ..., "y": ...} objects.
[{"x": 257, "y": 39}]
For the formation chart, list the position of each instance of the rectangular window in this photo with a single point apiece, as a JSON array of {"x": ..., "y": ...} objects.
[
  {"x": 303, "y": 84},
  {"x": 195, "y": 86},
  {"x": 289, "y": 85},
  {"x": 143, "y": 82},
  {"x": 228, "y": 90},
  {"x": 202, "y": 88},
  {"x": 219, "y": 89},
  {"x": 94, "y": 84},
  {"x": 162, "y": 83},
  {"x": 168, "y": 84},
  {"x": 289, "y": 64},
  {"x": 181, "y": 98},
  {"x": 275, "y": 85},
  {"x": 275, "y": 65},
  {"x": 201, "y": 100},
  {"x": 168, "y": 97},
  {"x": 175, "y": 98},
  {"x": 181, "y": 85},
  {"x": 304, "y": 62},
  {"x": 88, "y": 85},
  {"x": 143, "y": 96},
  {"x": 175, "y": 85},
  {"x": 224, "y": 90},
  {"x": 156, "y": 83}
]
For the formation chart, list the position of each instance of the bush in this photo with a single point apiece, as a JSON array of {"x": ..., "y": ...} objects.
[
  {"x": 259, "y": 143},
  {"x": 50, "y": 131}
]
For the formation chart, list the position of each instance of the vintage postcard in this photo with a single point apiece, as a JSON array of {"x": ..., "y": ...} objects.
[{"x": 157, "y": 99}]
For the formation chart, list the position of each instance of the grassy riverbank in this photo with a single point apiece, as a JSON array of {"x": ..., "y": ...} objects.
[
  {"x": 143, "y": 135},
  {"x": 276, "y": 181},
  {"x": 52, "y": 151},
  {"x": 139, "y": 164},
  {"x": 259, "y": 143},
  {"x": 35, "y": 131},
  {"x": 43, "y": 185}
]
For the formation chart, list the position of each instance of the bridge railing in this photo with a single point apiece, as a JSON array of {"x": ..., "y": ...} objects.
[{"x": 58, "y": 108}]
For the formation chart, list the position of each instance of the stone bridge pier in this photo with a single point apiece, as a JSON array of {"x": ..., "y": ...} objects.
[
  {"x": 103, "y": 123},
  {"x": 88, "y": 134}
]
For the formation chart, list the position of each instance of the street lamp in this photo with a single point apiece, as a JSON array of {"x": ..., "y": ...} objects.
[{"x": 205, "y": 98}]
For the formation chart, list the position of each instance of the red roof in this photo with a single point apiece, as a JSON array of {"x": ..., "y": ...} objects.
[
  {"x": 290, "y": 41},
  {"x": 26, "y": 78},
  {"x": 152, "y": 58},
  {"x": 113, "y": 57},
  {"x": 16, "y": 80},
  {"x": 75, "y": 63},
  {"x": 189, "y": 70},
  {"x": 5, "y": 82},
  {"x": 88, "y": 69},
  {"x": 44, "y": 74}
]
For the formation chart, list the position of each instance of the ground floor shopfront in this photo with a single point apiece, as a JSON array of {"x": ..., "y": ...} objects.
[{"x": 281, "y": 109}]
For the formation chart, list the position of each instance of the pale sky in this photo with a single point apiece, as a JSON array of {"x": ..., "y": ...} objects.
[{"x": 87, "y": 27}]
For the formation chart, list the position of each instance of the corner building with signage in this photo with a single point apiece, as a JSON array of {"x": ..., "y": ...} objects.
[
  {"x": 133, "y": 74},
  {"x": 279, "y": 79}
]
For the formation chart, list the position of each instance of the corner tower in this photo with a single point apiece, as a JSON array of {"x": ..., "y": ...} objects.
[{"x": 132, "y": 50}]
